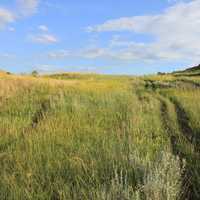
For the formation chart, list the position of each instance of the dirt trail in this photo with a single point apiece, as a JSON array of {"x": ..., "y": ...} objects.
[
  {"x": 182, "y": 116},
  {"x": 191, "y": 173},
  {"x": 190, "y": 186},
  {"x": 183, "y": 121},
  {"x": 187, "y": 184},
  {"x": 165, "y": 119},
  {"x": 40, "y": 114},
  {"x": 194, "y": 84},
  {"x": 43, "y": 108}
]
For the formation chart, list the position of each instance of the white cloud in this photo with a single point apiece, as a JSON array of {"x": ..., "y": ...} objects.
[
  {"x": 176, "y": 32},
  {"x": 87, "y": 53},
  {"x": 59, "y": 54},
  {"x": 22, "y": 8},
  {"x": 5, "y": 17},
  {"x": 157, "y": 24},
  {"x": 27, "y": 7},
  {"x": 43, "y": 28},
  {"x": 44, "y": 38}
]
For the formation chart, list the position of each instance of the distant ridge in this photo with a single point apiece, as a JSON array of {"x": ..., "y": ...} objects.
[
  {"x": 191, "y": 71},
  {"x": 4, "y": 72},
  {"x": 195, "y": 68}
]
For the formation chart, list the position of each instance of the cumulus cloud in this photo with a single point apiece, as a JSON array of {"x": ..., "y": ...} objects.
[
  {"x": 170, "y": 19},
  {"x": 5, "y": 17},
  {"x": 176, "y": 32},
  {"x": 87, "y": 53},
  {"x": 22, "y": 9},
  {"x": 44, "y": 38},
  {"x": 43, "y": 28}
]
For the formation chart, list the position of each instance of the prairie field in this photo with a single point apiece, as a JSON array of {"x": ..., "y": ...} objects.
[{"x": 99, "y": 137}]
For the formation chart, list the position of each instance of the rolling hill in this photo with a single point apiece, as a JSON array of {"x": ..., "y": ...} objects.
[{"x": 192, "y": 71}]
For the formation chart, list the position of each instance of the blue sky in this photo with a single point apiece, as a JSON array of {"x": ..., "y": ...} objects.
[{"x": 107, "y": 36}]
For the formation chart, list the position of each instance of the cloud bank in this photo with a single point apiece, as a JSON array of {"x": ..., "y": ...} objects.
[
  {"x": 24, "y": 8},
  {"x": 176, "y": 32}
]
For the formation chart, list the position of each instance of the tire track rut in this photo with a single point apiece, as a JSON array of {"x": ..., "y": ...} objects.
[
  {"x": 190, "y": 184},
  {"x": 40, "y": 114},
  {"x": 43, "y": 109},
  {"x": 193, "y": 192},
  {"x": 184, "y": 125},
  {"x": 165, "y": 119},
  {"x": 187, "y": 185}
]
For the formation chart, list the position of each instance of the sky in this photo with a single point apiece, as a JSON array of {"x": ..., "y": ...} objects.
[{"x": 101, "y": 36}]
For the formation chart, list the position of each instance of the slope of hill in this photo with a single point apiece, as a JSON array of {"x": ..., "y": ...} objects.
[
  {"x": 192, "y": 71},
  {"x": 2, "y": 72}
]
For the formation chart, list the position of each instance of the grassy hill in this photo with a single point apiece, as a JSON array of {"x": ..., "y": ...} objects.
[
  {"x": 89, "y": 136},
  {"x": 192, "y": 71}
]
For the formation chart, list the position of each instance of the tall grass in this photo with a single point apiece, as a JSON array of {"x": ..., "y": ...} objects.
[{"x": 91, "y": 138}]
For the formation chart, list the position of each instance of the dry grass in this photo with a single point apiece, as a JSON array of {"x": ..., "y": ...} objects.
[{"x": 91, "y": 137}]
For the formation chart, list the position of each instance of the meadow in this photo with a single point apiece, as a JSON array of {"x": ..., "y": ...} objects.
[{"x": 99, "y": 137}]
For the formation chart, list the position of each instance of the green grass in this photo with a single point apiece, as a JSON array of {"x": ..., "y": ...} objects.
[
  {"x": 75, "y": 136},
  {"x": 191, "y": 72}
]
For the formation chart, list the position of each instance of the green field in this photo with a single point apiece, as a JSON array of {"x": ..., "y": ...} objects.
[{"x": 98, "y": 137}]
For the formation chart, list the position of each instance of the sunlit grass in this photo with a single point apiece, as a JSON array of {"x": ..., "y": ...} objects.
[{"x": 90, "y": 137}]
